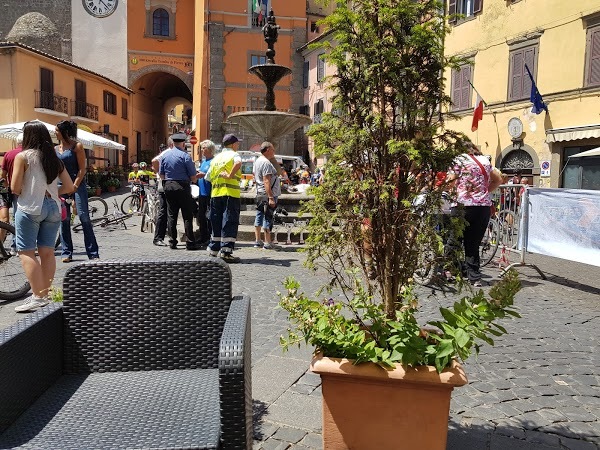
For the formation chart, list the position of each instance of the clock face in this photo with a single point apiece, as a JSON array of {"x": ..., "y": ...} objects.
[{"x": 100, "y": 8}]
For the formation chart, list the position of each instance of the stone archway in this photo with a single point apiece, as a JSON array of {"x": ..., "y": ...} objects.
[
  {"x": 521, "y": 158},
  {"x": 135, "y": 75}
]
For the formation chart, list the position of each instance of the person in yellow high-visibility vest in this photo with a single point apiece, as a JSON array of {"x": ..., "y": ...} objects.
[{"x": 224, "y": 174}]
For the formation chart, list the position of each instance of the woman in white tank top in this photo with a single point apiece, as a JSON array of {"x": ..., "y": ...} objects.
[{"x": 35, "y": 180}]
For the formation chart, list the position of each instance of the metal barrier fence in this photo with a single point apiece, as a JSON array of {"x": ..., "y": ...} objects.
[{"x": 509, "y": 225}]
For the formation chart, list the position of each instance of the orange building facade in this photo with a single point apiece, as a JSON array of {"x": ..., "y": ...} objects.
[{"x": 36, "y": 85}]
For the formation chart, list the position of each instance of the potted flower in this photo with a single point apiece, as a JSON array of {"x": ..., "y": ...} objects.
[
  {"x": 113, "y": 184},
  {"x": 386, "y": 144}
]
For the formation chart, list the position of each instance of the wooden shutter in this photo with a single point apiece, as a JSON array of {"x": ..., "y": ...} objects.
[
  {"x": 529, "y": 59},
  {"x": 477, "y": 6},
  {"x": 516, "y": 75},
  {"x": 593, "y": 75},
  {"x": 456, "y": 81},
  {"x": 46, "y": 81},
  {"x": 305, "y": 71},
  {"x": 465, "y": 87},
  {"x": 80, "y": 91},
  {"x": 451, "y": 7}
]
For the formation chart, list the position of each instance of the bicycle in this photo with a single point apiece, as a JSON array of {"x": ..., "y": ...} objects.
[
  {"x": 134, "y": 202},
  {"x": 489, "y": 243},
  {"x": 14, "y": 282},
  {"x": 150, "y": 210},
  {"x": 97, "y": 209}
]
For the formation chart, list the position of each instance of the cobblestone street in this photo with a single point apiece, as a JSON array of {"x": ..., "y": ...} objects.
[{"x": 538, "y": 388}]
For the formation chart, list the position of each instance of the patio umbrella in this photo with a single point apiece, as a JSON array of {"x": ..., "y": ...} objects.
[
  {"x": 592, "y": 152},
  {"x": 87, "y": 139}
]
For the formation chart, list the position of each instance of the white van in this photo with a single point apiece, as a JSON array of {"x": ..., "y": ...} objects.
[{"x": 289, "y": 163}]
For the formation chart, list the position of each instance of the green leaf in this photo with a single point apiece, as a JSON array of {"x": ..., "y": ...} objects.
[
  {"x": 445, "y": 348},
  {"x": 462, "y": 338}
]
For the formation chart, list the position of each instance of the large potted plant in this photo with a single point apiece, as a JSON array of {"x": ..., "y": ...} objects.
[{"x": 386, "y": 378}]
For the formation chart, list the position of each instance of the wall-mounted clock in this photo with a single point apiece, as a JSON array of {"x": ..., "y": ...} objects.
[
  {"x": 100, "y": 8},
  {"x": 515, "y": 127}
]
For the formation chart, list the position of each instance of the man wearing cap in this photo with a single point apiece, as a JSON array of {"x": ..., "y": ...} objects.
[
  {"x": 177, "y": 170},
  {"x": 161, "y": 217},
  {"x": 224, "y": 174}
]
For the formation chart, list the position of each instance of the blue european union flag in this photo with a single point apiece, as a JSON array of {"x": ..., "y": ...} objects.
[{"x": 535, "y": 96}]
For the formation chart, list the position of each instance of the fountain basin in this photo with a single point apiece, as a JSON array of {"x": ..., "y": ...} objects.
[{"x": 270, "y": 125}]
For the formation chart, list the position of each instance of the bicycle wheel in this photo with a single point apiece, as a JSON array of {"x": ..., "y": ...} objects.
[
  {"x": 95, "y": 221},
  {"x": 97, "y": 207},
  {"x": 117, "y": 219},
  {"x": 509, "y": 228},
  {"x": 489, "y": 243},
  {"x": 131, "y": 204},
  {"x": 145, "y": 218},
  {"x": 426, "y": 267},
  {"x": 14, "y": 282}
]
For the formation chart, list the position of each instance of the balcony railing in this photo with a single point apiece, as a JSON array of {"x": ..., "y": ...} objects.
[
  {"x": 317, "y": 118},
  {"x": 83, "y": 109},
  {"x": 48, "y": 100}
]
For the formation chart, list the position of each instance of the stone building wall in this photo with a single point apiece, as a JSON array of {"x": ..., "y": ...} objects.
[{"x": 58, "y": 11}]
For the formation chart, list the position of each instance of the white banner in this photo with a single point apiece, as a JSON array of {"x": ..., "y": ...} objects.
[{"x": 565, "y": 223}]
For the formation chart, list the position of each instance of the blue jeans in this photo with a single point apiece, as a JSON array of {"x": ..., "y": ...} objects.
[
  {"x": 89, "y": 239},
  {"x": 225, "y": 219},
  {"x": 37, "y": 230}
]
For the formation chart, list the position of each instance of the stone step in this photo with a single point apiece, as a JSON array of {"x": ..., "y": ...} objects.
[{"x": 247, "y": 217}]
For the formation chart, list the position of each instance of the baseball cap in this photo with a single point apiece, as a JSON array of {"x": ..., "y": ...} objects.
[
  {"x": 179, "y": 137},
  {"x": 229, "y": 139}
]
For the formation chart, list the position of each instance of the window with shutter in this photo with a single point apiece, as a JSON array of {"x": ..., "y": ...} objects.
[
  {"x": 461, "y": 88},
  {"x": 477, "y": 6},
  {"x": 519, "y": 83},
  {"x": 593, "y": 57},
  {"x": 452, "y": 7},
  {"x": 320, "y": 68},
  {"x": 305, "y": 72},
  {"x": 46, "y": 99}
]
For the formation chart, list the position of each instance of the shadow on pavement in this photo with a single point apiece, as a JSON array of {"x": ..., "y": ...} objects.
[
  {"x": 259, "y": 411},
  {"x": 267, "y": 262},
  {"x": 521, "y": 435},
  {"x": 572, "y": 284}
]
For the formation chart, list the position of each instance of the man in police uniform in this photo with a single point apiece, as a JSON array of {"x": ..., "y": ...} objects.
[
  {"x": 224, "y": 174},
  {"x": 178, "y": 172}
]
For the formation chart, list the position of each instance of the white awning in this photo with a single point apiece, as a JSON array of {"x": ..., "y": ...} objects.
[{"x": 573, "y": 133}]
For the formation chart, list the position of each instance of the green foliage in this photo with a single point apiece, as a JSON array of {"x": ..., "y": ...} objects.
[
  {"x": 386, "y": 144},
  {"x": 359, "y": 329},
  {"x": 55, "y": 294}
]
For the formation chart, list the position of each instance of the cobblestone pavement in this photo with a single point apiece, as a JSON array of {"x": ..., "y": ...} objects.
[{"x": 538, "y": 388}]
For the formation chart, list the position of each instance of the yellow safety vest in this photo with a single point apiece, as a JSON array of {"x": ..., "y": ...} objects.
[{"x": 224, "y": 186}]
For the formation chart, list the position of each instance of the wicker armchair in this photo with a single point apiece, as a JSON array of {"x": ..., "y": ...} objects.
[{"x": 142, "y": 354}]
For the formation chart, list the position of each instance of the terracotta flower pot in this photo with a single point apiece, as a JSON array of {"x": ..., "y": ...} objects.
[{"x": 367, "y": 407}]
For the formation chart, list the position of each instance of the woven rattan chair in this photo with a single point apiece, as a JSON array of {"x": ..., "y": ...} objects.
[{"x": 142, "y": 354}]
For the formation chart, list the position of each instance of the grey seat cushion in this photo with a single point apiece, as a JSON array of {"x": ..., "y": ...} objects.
[{"x": 118, "y": 410}]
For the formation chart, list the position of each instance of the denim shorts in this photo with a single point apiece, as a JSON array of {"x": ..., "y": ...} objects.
[
  {"x": 264, "y": 216},
  {"x": 37, "y": 230}
]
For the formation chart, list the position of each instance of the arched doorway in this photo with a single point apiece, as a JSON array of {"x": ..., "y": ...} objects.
[
  {"x": 519, "y": 160},
  {"x": 156, "y": 88}
]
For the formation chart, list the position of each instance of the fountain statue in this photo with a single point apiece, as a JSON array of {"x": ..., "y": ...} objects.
[{"x": 269, "y": 124}]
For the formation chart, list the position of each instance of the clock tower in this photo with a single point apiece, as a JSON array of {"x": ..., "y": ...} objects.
[{"x": 100, "y": 37}]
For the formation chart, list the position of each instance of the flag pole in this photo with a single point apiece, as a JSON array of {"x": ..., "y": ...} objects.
[{"x": 484, "y": 102}]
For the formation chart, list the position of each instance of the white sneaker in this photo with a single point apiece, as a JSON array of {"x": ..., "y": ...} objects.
[
  {"x": 271, "y": 246},
  {"x": 258, "y": 244},
  {"x": 213, "y": 253},
  {"x": 32, "y": 303}
]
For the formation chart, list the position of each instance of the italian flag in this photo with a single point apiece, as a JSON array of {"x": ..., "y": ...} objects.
[{"x": 477, "y": 113}]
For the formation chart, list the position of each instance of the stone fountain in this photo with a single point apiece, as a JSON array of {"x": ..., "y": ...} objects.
[{"x": 269, "y": 123}]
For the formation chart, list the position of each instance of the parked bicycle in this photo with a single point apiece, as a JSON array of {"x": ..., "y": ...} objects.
[
  {"x": 150, "y": 210},
  {"x": 97, "y": 208},
  {"x": 134, "y": 202}
]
